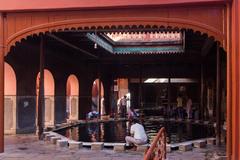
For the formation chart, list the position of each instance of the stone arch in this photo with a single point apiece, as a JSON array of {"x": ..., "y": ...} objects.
[
  {"x": 10, "y": 91},
  {"x": 116, "y": 24},
  {"x": 49, "y": 97},
  {"x": 98, "y": 96},
  {"x": 72, "y": 97}
]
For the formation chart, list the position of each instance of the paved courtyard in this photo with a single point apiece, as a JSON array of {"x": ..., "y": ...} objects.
[{"x": 27, "y": 147}]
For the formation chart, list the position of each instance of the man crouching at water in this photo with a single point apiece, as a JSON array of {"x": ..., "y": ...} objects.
[{"x": 138, "y": 135}]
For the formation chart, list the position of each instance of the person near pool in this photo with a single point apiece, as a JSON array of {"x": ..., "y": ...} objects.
[
  {"x": 180, "y": 106},
  {"x": 132, "y": 114},
  {"x": 138, "y": 134},
  {"x": 123, "y": 106}
]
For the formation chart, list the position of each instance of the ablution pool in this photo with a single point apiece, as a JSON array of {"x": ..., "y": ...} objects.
[{"x": 115, "y": 131}]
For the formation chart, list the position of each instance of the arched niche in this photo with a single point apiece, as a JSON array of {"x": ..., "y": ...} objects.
[
  {"x": 48, "y": 96},
  {"x": 10, "y": 90},
  {"x": 72, "y": 97}
]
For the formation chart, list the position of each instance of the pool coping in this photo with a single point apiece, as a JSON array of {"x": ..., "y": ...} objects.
[
  {"x": 108, "y": 144},
  {"x": 73, "y": 123},
  {"x": 173, "y": 146}
]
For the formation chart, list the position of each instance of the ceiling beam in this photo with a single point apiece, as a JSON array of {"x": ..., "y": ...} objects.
[{"x": 72, "y": 46}]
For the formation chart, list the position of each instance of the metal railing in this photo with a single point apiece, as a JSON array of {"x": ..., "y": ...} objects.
[{"x": 157, "y": 150}]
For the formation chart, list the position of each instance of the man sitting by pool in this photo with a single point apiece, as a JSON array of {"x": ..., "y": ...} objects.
[{"x": 138, "y": 135}]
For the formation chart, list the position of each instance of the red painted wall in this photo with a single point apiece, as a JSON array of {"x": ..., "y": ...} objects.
[{"x": 11, "y": 5}]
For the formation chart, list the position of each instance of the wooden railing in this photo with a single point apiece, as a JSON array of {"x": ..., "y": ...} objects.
[{"x": 157, "y": 150}]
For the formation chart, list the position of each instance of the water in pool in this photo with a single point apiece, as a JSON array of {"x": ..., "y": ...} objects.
[{"x": 116, "y": 131}]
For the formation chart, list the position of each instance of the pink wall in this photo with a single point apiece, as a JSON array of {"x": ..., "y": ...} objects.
[
  {"x": 72, "y": 86},
  {"x": 48, "y": 83},
  {"x": 10, "y": 86},
  {"x": 10, "y": 5}
]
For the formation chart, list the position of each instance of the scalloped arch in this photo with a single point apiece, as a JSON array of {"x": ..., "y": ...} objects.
[{"x": 118, "y": 24}]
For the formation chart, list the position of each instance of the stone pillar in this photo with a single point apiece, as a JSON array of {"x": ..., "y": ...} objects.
[
  {"x": 85, "y": 96},
  {"x": 41, "y": 101},
  {"x": 107, "y": 84},
  {"x": 218, "y": 97},
  {"x": 169, "y": 92},
  {"x": 202, "y": 94},
  {"x": 1, "y": 83},
  {"x": 140, "y": 100}
]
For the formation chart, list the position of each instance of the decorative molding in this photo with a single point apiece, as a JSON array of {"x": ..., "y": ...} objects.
[{"x": 112, "y": 23}]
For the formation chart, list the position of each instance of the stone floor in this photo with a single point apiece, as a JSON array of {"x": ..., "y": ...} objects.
[{"x": 27, "y": 147}]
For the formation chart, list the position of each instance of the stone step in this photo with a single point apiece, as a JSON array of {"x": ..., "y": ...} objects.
[
  {"x": 97, "y": 146},
  {"x": 142, "y": 148},
  {"x": 45, "y": 134},
  {"x": 53, "y": 140},
  {"x": 168, "y": 148},
  {"x": 75, "y": 145},
  {"x": 48, "y": 137},
  {"x": 185, "y": 147},
  {"x": 200, "y": 144},
  {"x": 62, "y": 143},
  {"x": 119, "y": 147},
  {"x": 211, "y": 141}
]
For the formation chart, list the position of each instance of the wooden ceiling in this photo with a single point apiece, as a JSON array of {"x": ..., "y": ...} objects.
[{"x": 77, "y": 46}]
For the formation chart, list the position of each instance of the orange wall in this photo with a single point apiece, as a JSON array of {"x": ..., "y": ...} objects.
[
  {"x": 41, "y": 4},
  {"x": 122, "y": 87}
]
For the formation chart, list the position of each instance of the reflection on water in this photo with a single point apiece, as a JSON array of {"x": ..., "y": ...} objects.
[{"x": 116, "y": 131}]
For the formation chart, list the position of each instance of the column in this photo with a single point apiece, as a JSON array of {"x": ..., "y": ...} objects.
[
  {"x": 99, "y": 96},
  {"x": 107, "y": 94},
  {"x": 233, "y": 85},
  {"x": 169, "y": 94},
  {"x": 41, "y": 101},
  {"x": 140, "y": 100},
  {"x": 202, "y": 94},
  {"x": 218, "y": 95},
  {"x": 85, "y": 96},
  {"x": 1, "y": 83}
]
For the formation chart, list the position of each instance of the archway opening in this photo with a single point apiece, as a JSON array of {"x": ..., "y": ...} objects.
[
  {"x": 168, "y": 66},
  {"x": 10, "y": 91},
  {"x": 49, "y": 99},
  {"x": 98, "y": 97},
  {"x": 72, "y": 98}
]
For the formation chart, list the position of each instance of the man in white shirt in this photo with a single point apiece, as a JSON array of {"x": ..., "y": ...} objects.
[{"x": 137, "y": 131}]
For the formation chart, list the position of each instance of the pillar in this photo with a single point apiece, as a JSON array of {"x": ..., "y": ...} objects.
[
  {"x": 100, "y": 96},
  {"x": 1, "y": 83},
  {"x": 218, "y": 95},
  {"x": 108, "y": 84},
  {"x": 202, "y": 94},
  {"x": 85, "y": 96},
  {"x": 233, "y": 85},
  {"x": 169, "y": 92},
  {"x": 41, "y": 103},
  {"x": 140, "y": 100}
]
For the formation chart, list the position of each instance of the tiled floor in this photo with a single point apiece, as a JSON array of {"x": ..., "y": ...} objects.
[{"x": 27, "y": 147}]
